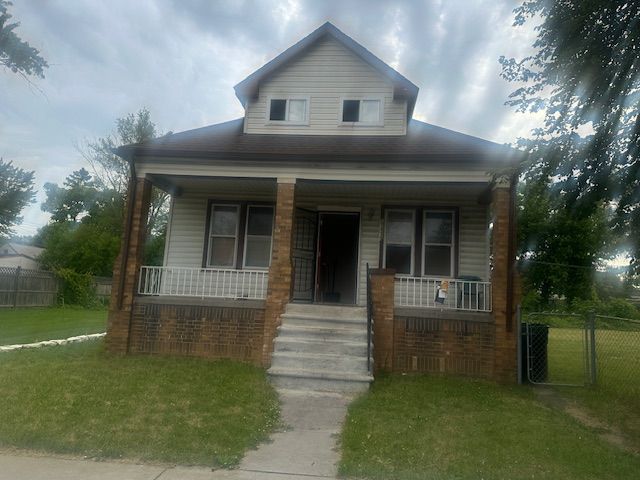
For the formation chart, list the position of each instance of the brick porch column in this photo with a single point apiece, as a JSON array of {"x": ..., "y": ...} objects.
[
  {"x": 281, "y": 270},
  {"x": 125, "y": 280},
  {"x": 382, "y": 295},
  {"x": 505, "y": 361}
]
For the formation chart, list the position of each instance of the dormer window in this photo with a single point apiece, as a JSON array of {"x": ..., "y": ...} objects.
[
  {"x": 362, "y": 112},
  {"x": 293, "y": 110}
]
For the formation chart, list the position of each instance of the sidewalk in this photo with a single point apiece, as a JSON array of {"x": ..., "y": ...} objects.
[{"x": 304, "y": 451}]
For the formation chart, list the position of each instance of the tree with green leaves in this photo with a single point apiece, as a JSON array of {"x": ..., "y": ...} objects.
[
  {"x": 16, "y": 192},
  {"x": 16, "y": 54},
  {"x": 111, "y": 172},
  {"x": 74, "y": 199},
  {"x": 87, "y": 211},
  {"x": 584, "y": 75},
  {"x": 558, "y": 249}
]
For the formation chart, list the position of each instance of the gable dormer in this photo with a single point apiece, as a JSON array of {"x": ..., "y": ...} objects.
[{"x": 327, "y": 84}]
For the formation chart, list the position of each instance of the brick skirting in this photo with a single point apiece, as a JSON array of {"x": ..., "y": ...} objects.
[
  {"x": 444, "y": 345},
  {"x": 204, "y": 330}
]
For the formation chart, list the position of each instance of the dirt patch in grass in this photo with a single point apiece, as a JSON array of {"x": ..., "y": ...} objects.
[{"x": 605, "y": 431}]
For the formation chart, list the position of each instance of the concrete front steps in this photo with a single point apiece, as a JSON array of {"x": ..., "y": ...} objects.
[{"x": 321, "y": 348}]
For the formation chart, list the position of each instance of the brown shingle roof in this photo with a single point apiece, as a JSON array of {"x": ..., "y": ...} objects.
[{"x": 422, "y": 143}]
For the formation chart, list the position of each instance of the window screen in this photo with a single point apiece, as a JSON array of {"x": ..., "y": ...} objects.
[
  {"x": 438, "y": 244},
  {"x": 297, "y": 110},
  {"x": 370, "y": 111},
  {"x": 258, "y": 236},
  {"x": 399, "y": 240},
  {"x": 223, "y": 235}
]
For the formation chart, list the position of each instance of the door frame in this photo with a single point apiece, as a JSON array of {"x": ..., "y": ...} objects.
[{"x": 354, "y": 211}]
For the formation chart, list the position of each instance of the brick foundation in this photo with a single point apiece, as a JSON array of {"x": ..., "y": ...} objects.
[
  {"x": 450, "y": 344},
  {"x": 223, "y": 329}
]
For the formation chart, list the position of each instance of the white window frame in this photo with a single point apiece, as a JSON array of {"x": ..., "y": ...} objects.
[
  {"x": 452, "y": 244},
  {"x": 413, "y": 238},
  {"x": 246, "y": 236},
  {"x": 288, "y": 98},
  {"x": 211, "y": 234},
  {"x": 379, "y": 123}
]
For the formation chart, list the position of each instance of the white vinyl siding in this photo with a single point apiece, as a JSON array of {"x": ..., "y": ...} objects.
[
  {"x": 369, "y": 246},
  {"x": 327, "y": 73}
]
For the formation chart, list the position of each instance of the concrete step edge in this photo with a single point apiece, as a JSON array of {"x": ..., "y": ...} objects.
[
  {"x": 319, "y": 356},
  {"x": 317, "y": 329},
  {"x": 311, "y": 341},
  {"x": 324, "y": 318},
  {"x": 320, "y": 375}
]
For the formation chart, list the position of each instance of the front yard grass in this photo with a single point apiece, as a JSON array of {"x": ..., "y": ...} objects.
[
  {"x": 78, "y": 399},
  {"x": 414, "y": 427},
  {"x": 615, "y": 398},
  {"x": 29, "y": 325}
]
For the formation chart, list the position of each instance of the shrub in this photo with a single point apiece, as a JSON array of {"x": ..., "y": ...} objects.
[{"x": 76, "y": 288}]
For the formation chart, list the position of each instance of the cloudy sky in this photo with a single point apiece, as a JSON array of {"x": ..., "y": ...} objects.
[{"x": 181, "y": 58}]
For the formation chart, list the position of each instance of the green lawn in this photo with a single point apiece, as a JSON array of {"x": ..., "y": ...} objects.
[
  {"x": 28, "y": 325},
  {"x": 78, "y": 399},
  {"x": 616, "y": 396},
  {"x": 415, "y": 427}
]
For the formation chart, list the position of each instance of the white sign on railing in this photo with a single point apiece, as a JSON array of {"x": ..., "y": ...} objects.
[
  {"x": 203, "y": 282},
  {"x": 448, "y": 294}
]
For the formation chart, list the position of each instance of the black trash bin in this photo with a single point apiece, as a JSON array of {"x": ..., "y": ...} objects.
[
  {"x": 537, "y": 369},
  {"x": 468, "y": 297}
]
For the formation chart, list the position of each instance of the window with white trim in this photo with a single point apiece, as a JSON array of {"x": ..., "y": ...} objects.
[
  {"x": 368, "y": 111},
  {"x": 398, "y": 240},
  {"x": 438, "y": 243},
  {"x": 223, "y": 236},
  {"x": 258, "y": 236},
  {"x": 288, "y": 110}
]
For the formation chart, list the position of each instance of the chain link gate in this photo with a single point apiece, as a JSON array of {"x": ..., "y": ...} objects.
[{"x": 558, "y": 349}]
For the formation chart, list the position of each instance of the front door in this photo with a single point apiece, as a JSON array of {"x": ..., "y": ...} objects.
[{"x": 337, "y": 258}]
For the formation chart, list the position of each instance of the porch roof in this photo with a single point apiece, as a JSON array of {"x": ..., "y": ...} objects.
[{"x": 423, "y": 143}]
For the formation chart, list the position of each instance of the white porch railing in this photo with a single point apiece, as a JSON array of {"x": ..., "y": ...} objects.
[
  {"x": 203, "y": 282},
  {"x": 461, "y": 294}
]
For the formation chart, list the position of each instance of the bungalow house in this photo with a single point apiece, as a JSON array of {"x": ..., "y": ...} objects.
[
  {"x": 14, "y": 255},
  {"x": 326, "y": 235}
]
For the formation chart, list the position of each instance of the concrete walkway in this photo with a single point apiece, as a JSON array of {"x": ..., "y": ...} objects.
[{"x": 304, "y": 451}]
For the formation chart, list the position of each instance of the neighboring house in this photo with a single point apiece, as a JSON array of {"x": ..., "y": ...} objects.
[
  {"x": 276, "y": 217},
  {"x": 18, "y": 255}
]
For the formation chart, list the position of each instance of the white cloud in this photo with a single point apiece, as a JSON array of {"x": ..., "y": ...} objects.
[{"x": 181, "y": 59}]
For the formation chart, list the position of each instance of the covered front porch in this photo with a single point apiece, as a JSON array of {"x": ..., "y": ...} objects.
[
  {"x": 220, "y": 241},
  {"x": 239, "y": 250}
]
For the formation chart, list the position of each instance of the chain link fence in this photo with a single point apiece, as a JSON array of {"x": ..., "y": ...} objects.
[
  {"x": 556, "y": 349},
  {"x": 617, "y": 348},
  {"x": 581, "y": 349}
]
